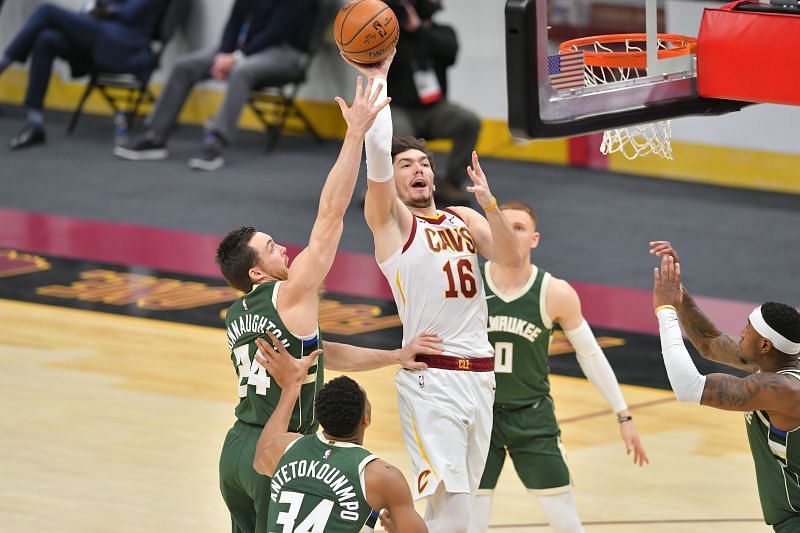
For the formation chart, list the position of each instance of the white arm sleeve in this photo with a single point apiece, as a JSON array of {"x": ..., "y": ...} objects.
[
  {"x": 595, "y": 366},
  {"x": 686, "y": 381},
  {"x": 378, "y": 142}
]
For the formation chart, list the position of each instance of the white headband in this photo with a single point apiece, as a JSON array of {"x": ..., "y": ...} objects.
[{"x": 778, "y": 341}]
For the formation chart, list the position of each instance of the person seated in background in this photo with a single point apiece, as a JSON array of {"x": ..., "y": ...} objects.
[
  {"x": 113, "y": 34},
  {"x": 262, "y": 40},
  {"x": 418, "y": 88}
]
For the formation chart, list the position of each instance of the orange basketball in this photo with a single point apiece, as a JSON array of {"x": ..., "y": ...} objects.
[{"x": 366, "y": 30}]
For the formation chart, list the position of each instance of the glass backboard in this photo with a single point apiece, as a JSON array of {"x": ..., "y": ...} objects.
[{"x": 555, "y": 89}]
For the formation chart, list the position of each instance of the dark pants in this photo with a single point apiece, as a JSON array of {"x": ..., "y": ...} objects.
[
  {"x": 442, "y": 120},
  {"x": 271, "y": 65},
  {"x": 51, "y": 32}
]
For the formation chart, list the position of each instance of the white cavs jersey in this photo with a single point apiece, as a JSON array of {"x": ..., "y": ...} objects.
[{"x": 437, "y": 285}]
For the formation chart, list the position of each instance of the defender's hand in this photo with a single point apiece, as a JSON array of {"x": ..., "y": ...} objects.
[
  {"x": 425, "y": 343},
  {"x": 667, "y": 288},
  {"x": 662, "y": 248},
  {"x": 285, "y": 369},
  {"x": 365, "y": 108}
]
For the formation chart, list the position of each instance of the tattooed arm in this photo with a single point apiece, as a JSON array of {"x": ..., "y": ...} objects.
[
  {"x": 767, "y": 391},
  {"x": 704, "y": 335}
]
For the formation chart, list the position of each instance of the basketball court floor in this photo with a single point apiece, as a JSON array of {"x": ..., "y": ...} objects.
[{"x": 117, "y": 387}]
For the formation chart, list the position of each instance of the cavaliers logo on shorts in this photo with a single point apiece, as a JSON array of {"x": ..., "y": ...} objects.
[{"x": 422, "y": 480}]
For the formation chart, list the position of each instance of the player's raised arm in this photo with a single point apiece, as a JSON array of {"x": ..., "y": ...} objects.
[
  {"x": 385, "y": 213},
  {"x": 298, "y": 298},
  {"x": 493, "y": 235},
  {"x": 767, "y": 391},
  {"x": 707, "y": 339}
]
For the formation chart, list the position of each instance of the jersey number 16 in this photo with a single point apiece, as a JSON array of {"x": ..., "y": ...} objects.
[{"x": 466, "y": 279}]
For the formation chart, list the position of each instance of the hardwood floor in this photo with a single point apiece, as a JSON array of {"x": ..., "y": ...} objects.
[{"x": 114, "y": 423}]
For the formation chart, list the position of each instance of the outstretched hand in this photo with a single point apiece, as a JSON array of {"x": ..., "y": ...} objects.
[
  {"x": 365, "y": 108},
  {"x": 480, "y": 186},
  {"x": 284, "y": 368},
  {"x": 633, "y": 443},
  {"x": 662, "y": 248},
  {"x": 426, "y": 343},
  {"x": 667, "y": 289},
  {"x": 373, "y": 70}
]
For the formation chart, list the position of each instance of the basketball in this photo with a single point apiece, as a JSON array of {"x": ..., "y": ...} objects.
[{"x": 366, "y": 31}]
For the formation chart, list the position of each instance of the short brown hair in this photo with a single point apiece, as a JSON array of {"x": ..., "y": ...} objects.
[
  {"x": 236, "y": 257},
  {"x": 407, "y": 142},
  {"x": 520, "y": 206}
]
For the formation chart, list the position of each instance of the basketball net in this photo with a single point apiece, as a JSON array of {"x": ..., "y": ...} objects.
[{"x": 641, "y": 139}]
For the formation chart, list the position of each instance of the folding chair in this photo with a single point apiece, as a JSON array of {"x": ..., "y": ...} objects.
[
  {"x": 137, "y": 90},
  {"x": 273, "y": 103}
]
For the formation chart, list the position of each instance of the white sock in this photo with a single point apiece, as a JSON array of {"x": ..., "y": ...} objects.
[
  {"x": 561, "y": 512},
  {"x": 481, "y": 514}
]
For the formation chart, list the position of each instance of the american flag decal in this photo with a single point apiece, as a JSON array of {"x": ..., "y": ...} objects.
[{"x": 566, "y": 70}]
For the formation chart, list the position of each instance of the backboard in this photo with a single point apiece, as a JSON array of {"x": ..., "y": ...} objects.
[{"x": 664, "y": 87}]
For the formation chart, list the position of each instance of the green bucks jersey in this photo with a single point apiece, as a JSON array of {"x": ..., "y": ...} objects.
[
  {"x": 318, "y": 486},
  {"x": 520, "y": 331},
  {"x": 776, "y": 455},
  {"x": 247, "y": 319}
]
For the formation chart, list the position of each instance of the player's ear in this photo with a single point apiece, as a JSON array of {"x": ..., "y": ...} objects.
[
  {"x": 766, "y": 345},
  {"x": 256, "y": 274},
  {"x": 535, "y": 240}
]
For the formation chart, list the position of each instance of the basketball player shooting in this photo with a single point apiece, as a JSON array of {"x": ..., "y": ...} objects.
[{"x": 429, "y": 257}]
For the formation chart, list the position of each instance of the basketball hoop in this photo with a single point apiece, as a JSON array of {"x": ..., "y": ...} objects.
[{"x": 622, "y": 57}]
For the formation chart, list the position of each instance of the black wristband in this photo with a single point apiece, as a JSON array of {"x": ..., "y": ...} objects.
[{"x": 622, "y": 419}]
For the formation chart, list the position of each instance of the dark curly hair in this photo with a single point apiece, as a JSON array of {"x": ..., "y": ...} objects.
[
  {"x": 340, "y": 406},
  {"x": 407, "y": 142},
  {"x": 782, "y": 318},
  {"x": 236, "y": 257}
]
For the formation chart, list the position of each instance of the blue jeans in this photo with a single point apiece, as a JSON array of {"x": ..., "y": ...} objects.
[{"x": 51, "y": 32}]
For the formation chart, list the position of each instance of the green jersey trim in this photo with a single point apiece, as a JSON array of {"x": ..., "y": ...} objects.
[
  {"x": 508, "y": 298},
  {"x": 362, "y": 466},
  {"x": 328, "y": 442}
]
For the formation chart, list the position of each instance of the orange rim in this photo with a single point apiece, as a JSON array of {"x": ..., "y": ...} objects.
[{"x": 681, "y": 45}]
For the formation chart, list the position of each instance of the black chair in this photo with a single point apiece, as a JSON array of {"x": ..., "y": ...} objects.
[
  {"x": 136, "y": 89},
  {"x": 274, "y": 102}
]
